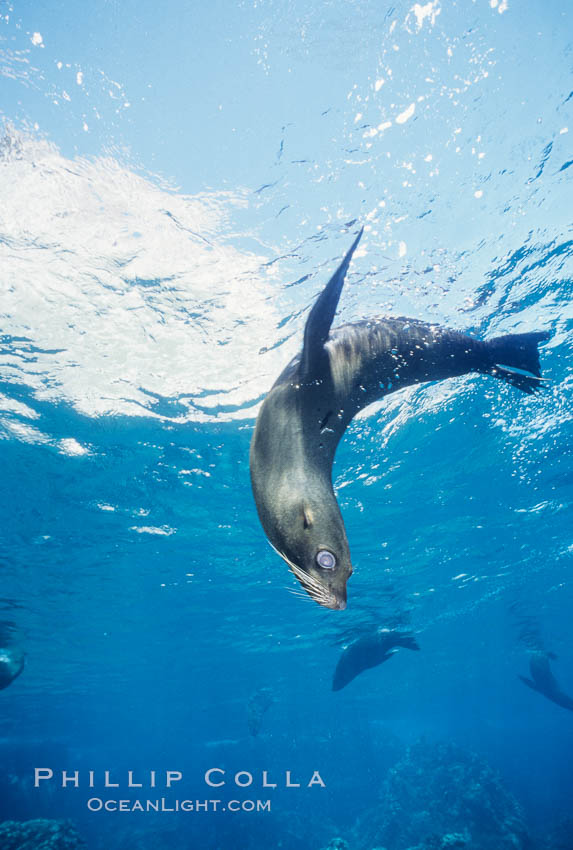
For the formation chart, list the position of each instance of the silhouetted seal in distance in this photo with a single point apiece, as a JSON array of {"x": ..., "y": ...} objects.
[
  {"x": 11, "y": 665},
  {"x": 258, "y": 705},
  {"x": 544, "y": 682},
  {"x": 307, "y": 410},
  {"x": 368, "y": 651}
]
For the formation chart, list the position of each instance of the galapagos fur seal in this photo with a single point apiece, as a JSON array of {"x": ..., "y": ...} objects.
[
  {"x": 258, "y": 705},
  {"x": 544, "y": 682},
  {"x": 303, "y": 417},
  {"x": 368, "y": 651},
  {"x": 11, "y": 665}
]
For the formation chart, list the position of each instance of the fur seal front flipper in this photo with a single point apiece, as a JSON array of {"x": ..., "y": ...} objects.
[{"x": 302, "y": 419}]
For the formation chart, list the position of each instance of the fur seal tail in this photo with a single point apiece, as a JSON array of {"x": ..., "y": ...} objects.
[{"x": 518, "y": 351}]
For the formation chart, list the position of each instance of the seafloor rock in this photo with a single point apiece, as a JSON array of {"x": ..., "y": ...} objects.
[
  {"x": 39, "y": 835},
  {"x": 283, "y": 830},
  {"x": 337, "y": 844},
  {"x": 439, "y": 797},
  {"x": 561, "y": 836},
  {"x": 286, "y": 829},
  {"x": 149, "y": 837}
]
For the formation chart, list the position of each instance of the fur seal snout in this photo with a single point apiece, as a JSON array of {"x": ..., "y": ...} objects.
[{"x": 311, "y": 403}]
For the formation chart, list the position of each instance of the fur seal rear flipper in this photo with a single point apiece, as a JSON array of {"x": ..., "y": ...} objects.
[
  {"x": 368, "y": 651},
  {"x": 307, "y": 410},
  {"x": 544, "y": 682}
]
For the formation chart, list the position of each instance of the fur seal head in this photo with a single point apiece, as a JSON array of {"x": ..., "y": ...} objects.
[{"x": 309, "y": 534}]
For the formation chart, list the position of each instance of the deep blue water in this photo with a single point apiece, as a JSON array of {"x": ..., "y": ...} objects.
[{"x": 157, "y": 269}]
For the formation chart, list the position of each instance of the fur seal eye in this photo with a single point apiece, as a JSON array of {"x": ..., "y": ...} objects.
[{"x": 326, "y": 560}]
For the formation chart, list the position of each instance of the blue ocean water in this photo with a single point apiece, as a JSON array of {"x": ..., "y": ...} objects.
[{"x": 177, "y": 187}]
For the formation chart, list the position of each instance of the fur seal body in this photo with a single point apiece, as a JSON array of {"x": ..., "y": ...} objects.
[
  {"x": 544, "y": 682},
  {"x": 369, "y": 651},
  {"x": 307, "y": 410},
  {"x": 257, "y": 707},
  {"x": 11, "y": 665}
]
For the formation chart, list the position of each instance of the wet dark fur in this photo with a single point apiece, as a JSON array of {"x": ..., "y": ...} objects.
[
  {"x": 544, "y": 682},
  {"x": 309, "y": 407},
  {"x": 369, "y": 651}
]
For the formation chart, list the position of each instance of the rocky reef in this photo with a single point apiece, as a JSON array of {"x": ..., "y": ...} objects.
[
  {"x": 39, "y": 835},
  {"x": 439, "y": 797},
  {"x": 148, "y": 836},
  {"x": 286, "y": 829},
  {"x": 561, "y": 836}
]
